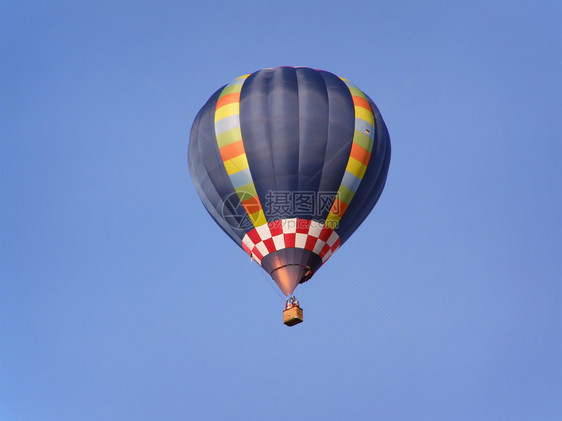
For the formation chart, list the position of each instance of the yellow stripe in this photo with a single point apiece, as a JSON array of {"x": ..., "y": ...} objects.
[
  {"x": 356, "y": 168},
  {"x": 228, "y": 137},
  {"x": 227, "y": 110},
  {"x": 258, "y": 218},
  {"x": 236, "y": 164},
  {"x": 332, "y": 221},
  {"x": 239, "y": 163},
  {"x": 364, "y": 114}
]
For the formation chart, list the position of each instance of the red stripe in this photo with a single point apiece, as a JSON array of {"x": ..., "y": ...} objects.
[
  {"x": 325, "y": 233},
  {"x": 360, "y": 153},
  {"x": 252, "y": 205},
  {"x": 247, "y": 249},
  {"x": 338, "y": 207},
  {"x": 228, "y": 99},
  {"x": 276, "y": 227},
  {"x": 233, "y": 150},
  {"x": 303, "y": 225},
  {"x": 270, "y": 245},
  {"x": 324, "y": 250},
  {"x": 254, "y": 236},
  {"x": 361, "y": 102},
  {"x": 257, "y": 253},
  {"x": 336, "y": 245},
  {"x": 310, "y": 243},
  {"x": 290, "y": 240}
]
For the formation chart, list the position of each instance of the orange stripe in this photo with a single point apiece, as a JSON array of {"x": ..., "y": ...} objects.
[
  {"x": 361, "y": 102},
  {"x": 338, "y": 207},
  {"x": 360, "y": 153},
  {"x": 233, "y": 150},
  {"x": 228, "y": 99},
  {"x": 252, "y": 205}
]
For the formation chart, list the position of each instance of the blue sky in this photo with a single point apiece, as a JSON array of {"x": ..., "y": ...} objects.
[{"x": 103, "y": 237}]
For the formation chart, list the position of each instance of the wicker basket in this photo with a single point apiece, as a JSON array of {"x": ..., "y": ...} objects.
[{"x": 292, "y": 316}]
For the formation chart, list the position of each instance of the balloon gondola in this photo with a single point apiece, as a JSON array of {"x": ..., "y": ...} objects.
[{"x": 289, "y": 162}]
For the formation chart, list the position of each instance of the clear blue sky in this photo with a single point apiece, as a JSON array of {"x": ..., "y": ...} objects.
[{"x": 103, "y": 237}]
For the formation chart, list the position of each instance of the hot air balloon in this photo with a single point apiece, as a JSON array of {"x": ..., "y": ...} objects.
[{"x": 289, "y": 162}]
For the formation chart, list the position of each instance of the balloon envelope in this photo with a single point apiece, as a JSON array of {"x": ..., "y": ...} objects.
[{"x": 289, "y": 162}]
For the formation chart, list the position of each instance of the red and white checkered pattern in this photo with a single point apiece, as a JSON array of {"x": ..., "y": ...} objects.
[{"x": 294, "y": 232}]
